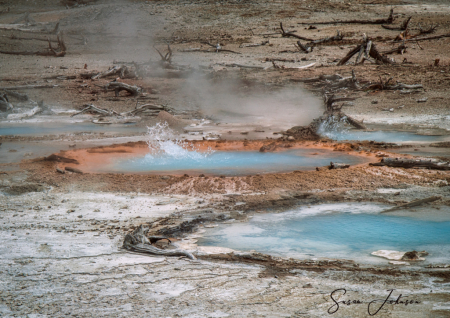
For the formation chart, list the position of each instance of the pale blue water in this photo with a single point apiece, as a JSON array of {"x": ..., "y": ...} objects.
[
  {"x": 39, "y": 129},
  {"x": 233, "y": 162},
  {"x": 349, "y": 231},
  {"x": 382, "y": 136}
]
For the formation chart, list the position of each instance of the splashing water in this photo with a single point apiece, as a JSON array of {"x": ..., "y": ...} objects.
[
  {"x": 333, "y": 127},
  {"x": 163, "y": 142}
]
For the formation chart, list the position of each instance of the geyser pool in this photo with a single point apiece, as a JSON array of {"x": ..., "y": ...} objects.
[
  {"x": 233, "y": 162},
  {"x": 169, "y": 155},
  {"x": 346, "y": 231}
]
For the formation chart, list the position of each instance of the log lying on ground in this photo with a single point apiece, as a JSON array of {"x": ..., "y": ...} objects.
[
  {"x": 92, "y": 108},
  {"x": 26, "y": 114},
  {"x": 385, "y": 85},
  {"x": 137, "y": 241},
  {"x": 388, "y": 20},
  {"x": 433, "y": 164},
  {"x": 29, "y": 87},
  {"x": 338, "y": 166},
  {"x": 18, "y": 96},
  {"x": 254, "y": 44},
  {"x": 131, "y": 89},
  {"x": 412, "y": 204},
  {"x": 147, "y": 108}
]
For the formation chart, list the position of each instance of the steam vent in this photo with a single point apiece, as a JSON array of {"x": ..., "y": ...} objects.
[{"x": 224, "y": 158}]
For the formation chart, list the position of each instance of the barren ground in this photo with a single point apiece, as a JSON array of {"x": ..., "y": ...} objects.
[{"x": 62, "y": 233}]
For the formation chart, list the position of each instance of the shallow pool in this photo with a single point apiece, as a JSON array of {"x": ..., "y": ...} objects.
[
  {"x": 39, "y": 129},
  {"x": 382, "y": 136},
  {"x": 232, "y": 162},
  {"x": 348, "y": 231}
]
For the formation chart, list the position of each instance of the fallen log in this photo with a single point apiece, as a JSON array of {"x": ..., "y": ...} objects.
[
  {"x": 254, "y": 44},
  {"x": 92, "y": 108},
  {"x": 29, "y": 87},
  {"x": 138, "y": 241},
  {"x": 131, "y": 89},
  {"x": 242, "y": 66},
  {"x": 388, "y": 20},
  {"x": 433, "y": 164},
  {"x": 338, "y": 166},
  {"x": 413, "y": 204},
  {"x": 144, "y": 108}
]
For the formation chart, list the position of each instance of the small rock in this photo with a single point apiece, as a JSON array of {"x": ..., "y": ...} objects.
[
  {"x": 79, "y": 216},
  {"x": 374, "y": 101},
  {"x": 391, "y": 109},
  {"x": 291, "y": 138},
  {"x": 60, "y": 170},
  {"x": 422, "y": 100},
  {"x": 70, "y": 211},
  {"x": 97, "y": 210},
  {"x": 307, "y": 286},
  {"x": 72, "y": 145}
]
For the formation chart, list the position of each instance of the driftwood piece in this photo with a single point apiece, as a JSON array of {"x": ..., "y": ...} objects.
[
  {"x": 385, "y": 85},
  {"x": 112, "y": 71},
  {"x": 218, "y": 48},
  {"x": 304, "y": 48},
  {"x": 137, "y": 241},
  {"x": 337, "y": 37},
  {"x": 292, "y": 34},
  {"x": 92, "y": 108},
  {"x": 338, "y": 166},
  {"x": 413, "y": 204},
  {"x": 433, "y": 164},
  {"x": 28, "y": 87},
  {"x": 282, "y": 67},
  {"x": 254, "y": 44},
  {"x": 402, "y": 27},
  {"x": 145, "y": 108},
  {"x": 242, "y": 65},
  {"x": 369, "y": 50},
  {"x": 388, "y": 20},
  {"x": 131, "y": 89}
]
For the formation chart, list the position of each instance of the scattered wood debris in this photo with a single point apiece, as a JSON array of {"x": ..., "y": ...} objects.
[
  {"x": 138, "y": 241},
  {"x": 434, "y": 164},
  {"x": 366, "y": 51},
  {"x": 388, "y": 20}
]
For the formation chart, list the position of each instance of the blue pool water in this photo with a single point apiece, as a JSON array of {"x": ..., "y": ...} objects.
[
  {"x": 382, "y": 136},
  {"x": 233, "y": 162},
  {"x": 39, "y": 129},
  {"x": 350, "y": 231}
]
